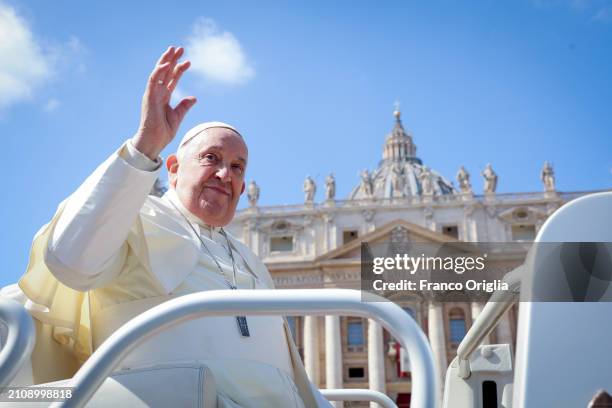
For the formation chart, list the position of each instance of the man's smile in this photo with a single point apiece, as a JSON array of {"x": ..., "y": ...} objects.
[{"x": 219, "y": 189}]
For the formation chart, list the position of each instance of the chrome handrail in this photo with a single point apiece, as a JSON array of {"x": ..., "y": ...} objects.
[
  {"x": 20, "y": 340},
  {"x": 425, "y": 388},
  {"x": 355, "y": 394}
]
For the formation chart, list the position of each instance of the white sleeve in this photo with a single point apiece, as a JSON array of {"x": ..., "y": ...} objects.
[
  {"x": 88, "y": 244},
  {"x": 139, "y": 160}
]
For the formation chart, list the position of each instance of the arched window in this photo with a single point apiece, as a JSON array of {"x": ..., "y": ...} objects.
[{"x": 456, "y": 322}]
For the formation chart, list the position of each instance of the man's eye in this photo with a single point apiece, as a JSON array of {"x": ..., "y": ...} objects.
[
  {"x": 238, "y": 168},
  {"x": 209, "y": 157}
]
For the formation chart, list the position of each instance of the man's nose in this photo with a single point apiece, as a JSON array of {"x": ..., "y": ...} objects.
[{"x": 223, "y": 173}]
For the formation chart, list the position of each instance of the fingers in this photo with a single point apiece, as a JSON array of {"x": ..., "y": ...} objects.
[
  {"x": 178, "y": 71},
  {"x": 159, "y": 73},
  {"x": 165, "y": 66},
  {"x": 183, "y": 107},
  {"x": 173, "y": 59},
  {"x": 166, "y": 55},
  {"x": 163, "y": 82},
  {"x": 168, "y": 71}
]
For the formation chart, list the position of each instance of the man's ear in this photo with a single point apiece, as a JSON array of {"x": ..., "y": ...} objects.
[
  {"x": 172, "y": 166},
  {"x": 243, "y": 187}
]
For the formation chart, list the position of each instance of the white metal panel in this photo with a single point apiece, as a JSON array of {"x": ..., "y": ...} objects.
[{"x": 564, "y": 352}]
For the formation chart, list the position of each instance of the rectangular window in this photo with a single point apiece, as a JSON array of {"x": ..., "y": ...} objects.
[
  {"x": 354, "y": 335},
  {"x": 281, "y": 244},
  {"x": 457, "y": 330},
  {"x": 356, "y": 372},
  {"x": 525, "y": 233},
  {"x": 451, "y": 231},
  {"x": 349, "y": 235}
]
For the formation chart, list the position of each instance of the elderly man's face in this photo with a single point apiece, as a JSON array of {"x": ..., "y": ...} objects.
[{"x": 208, "y": 175}]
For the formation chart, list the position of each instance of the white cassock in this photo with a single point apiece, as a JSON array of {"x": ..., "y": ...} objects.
[{"x": 111, "y": 252}]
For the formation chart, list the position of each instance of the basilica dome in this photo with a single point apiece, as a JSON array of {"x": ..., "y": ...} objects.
[{"x": 400, "y": 173}]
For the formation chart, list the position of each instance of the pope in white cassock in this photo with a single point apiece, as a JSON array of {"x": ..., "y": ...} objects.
[{"x": 112, "y": 251}]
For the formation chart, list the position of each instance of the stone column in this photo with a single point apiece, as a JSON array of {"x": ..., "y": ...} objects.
[
  {"x": 376, "y": 359},
  {"x": 437, "y": 339},
  {"x": 333, "y": 354},
  {"x": 255, "y": 238},
  {"x": 476, "y": 310},
  {"x": 249, "y": 233},
  {"x": 330, "y": 231},
  {"x": 311, "y": 348}
]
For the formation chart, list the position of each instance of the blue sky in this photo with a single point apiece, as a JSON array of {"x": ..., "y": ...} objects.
[{"x": 311, "y": 85}]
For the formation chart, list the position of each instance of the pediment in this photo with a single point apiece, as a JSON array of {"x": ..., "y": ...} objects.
[{"x": 393, "y": 231}]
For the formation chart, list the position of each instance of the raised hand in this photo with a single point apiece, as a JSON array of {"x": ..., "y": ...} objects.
[{"x": 159, "y": 122}]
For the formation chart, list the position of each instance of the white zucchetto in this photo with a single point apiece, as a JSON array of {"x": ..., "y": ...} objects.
[{"x": 196, "y": 130}]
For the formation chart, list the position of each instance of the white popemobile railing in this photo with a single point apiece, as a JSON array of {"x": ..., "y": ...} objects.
[
  {"x": 359, "y": 395},
  {"x": 425, "y": 388},
  {"x": 19, "y": 342}
]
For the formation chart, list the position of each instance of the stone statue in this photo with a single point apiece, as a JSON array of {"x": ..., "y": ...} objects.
[
  {"x": 490, "y": 179},
  {"x": 310, "y": 188},
  {"x": 463, "y": 178},
  {"x": 397, "y": 180},
  {"x": 367, "y": 183},
  {"x": 253, "y": 193},
  {"x": 548, "y": 177},
  {"x": 330, "y": 187},
  {"x": 425, "y": 178}
]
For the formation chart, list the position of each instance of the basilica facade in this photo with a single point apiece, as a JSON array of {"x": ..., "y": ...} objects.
[{"x": 317, "y": 245}]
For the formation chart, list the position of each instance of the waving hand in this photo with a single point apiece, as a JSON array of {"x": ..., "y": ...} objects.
[{"x": 159, "y": 122}]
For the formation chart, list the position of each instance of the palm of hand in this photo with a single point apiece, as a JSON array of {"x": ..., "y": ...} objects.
[{"x": 159, "y": 121}]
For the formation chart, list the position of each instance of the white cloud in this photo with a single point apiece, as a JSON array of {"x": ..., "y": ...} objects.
[
  {"x": 28, "y": 63},
  {"x": 217, "y": 54},
  {"x": 23, "y": 65},
  {"x": 51, "y": 105}
]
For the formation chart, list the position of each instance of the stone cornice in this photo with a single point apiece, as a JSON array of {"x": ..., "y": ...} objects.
[
  {"x": 450, "y": 201},
  {"x": 314, "y": 265}
]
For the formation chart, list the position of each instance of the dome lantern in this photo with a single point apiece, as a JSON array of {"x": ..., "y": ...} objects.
[{"x": 400, "y": 173}]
